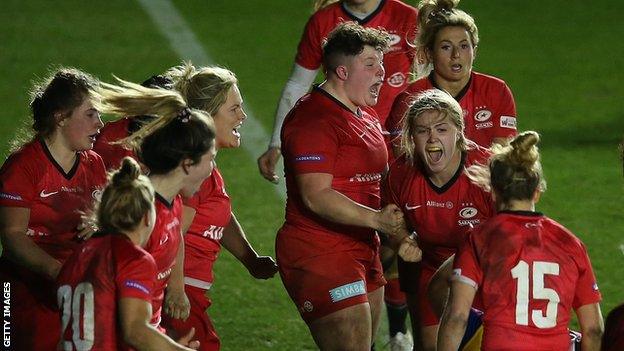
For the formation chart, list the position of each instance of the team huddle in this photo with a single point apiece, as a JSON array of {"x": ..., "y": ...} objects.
[{"x": 407, "y": 182}]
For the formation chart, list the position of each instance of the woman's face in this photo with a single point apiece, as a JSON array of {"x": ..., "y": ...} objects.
[
  {"x": 453, "y": 54},
  {"x": 198, "y": 172},
  {"x": 80, "y": 129},
  {"x": 228, "y": 120},
  {"x": 435, "y": 144},
  {"x": 364, "y": 77}
]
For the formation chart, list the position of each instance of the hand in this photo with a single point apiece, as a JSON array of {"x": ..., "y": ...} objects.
[
  {"x": 390, "y": 220},
  {"x": 176, "y": 304},
  {"x": 267, "y": 163},
  {"x": 186, "y": 340},
  {"x": 409, "y": 250},
  {"x": 262, "y": 267},
  {"x": 86, "y": 229}
]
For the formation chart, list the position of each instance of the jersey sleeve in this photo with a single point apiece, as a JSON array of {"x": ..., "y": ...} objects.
[
  {"x": 466, "y": 267},
  {"x": 505, "y": 114},
  {"x": 309, "y": 51},
  {"x": 18, "y": 183},
  {"x": 313, "y": 148},
  {"x": 586, "y": 287},
  {"x": 136, "y": 277}
]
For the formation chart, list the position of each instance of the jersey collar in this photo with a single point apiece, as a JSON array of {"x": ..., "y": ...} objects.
[
  {"x": 71, "y": 172},
  {"x": 461, "y": 93},
  {"x": 365, "y": 19}
]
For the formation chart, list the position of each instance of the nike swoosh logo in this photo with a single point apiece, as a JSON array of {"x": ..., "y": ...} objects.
[
  {"x": 44, "y": 194},
  {"x": 164, "y": 240},
  {"x": 410, "y": 208}
]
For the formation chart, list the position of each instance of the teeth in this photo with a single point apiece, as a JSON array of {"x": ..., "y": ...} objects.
[{"x": 434, "y": 149}]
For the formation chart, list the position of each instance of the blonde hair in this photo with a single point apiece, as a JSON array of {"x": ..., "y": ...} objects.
[
  {"x": 431, "y": 100},
  {"x": 203, "y": 88},
  {"x": 178, "y": 133},
  {"x": 319, "y": 4},
  {"x": 433, "y": 15},
  {"x": 126, "y": 199},
  {"x": 514, "y": 171}
]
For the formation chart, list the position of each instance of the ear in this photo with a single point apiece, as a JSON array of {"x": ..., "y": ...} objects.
[
  {"x": 537, "y": 195},
  {"x": 342, "y": 72},
  {"x": 429, "y": 55},
  {"x": 147, "y": 221},
  {"x": 59, "y": 118},
  {"x": 474, "y": 52},
  {"x": 186, "y": 164}
]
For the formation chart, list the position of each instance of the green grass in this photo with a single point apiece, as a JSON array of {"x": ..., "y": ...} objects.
[{"x": 562, "y": 59}]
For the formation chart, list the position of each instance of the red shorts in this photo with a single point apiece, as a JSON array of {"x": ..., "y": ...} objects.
[
  {"x": 205, "y": 331},
  {"x": 414, "y": 279},
  {"x": 35, "y": 319},
  {"x": 324, "y": 273}
]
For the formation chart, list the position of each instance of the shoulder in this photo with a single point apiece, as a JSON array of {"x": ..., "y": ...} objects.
[
  {"x": 400, "y": 7},
  {"x": 488, "y": 82},
  {"x": 562, "y": 234},
  {"x": 30, "y": 156},
  {"x": 399, "y": 171}
]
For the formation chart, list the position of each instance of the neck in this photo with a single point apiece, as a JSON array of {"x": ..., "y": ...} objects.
[
  {"x": 336, "y": 89},
  {"x": 518, "y": 205},
  {"x": 453, "y": 87},
  {"x": 167, "y": 185},
  {"x": 135, "y": 237},
  {"x": 443, "y": 177},
  {"x": 61, "y": 153},
  {"x": 365, "y": 8}
]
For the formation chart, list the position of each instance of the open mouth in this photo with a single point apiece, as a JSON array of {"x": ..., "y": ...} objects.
[
  {"x": 375, "y": 88},
  {"x": 236, "y": 130},
  {"x": 93, "y": 137},
  {"x": 435, "y": 153},
  {"x": 456, "y": 67}
]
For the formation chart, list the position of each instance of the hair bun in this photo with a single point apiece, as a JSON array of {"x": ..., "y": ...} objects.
[
  {"x": 127, "y": 173},
  {"x": 524, "y": 149}
]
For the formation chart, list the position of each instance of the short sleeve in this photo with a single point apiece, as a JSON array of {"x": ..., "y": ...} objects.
[
  {"x": 466, "y": 268},
  {"x": 505, "y": 114},
  {"x": 586, "y": 287},
  {"x": 18, "y": 186},
  {"x": 309, "y": 51},
  {"x": 312, "y": 148},
  {"x": 136, "y": 277}
]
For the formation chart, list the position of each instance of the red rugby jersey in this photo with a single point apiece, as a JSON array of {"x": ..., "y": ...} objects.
[
  {"x": 113, "y": 131},
  {"x": 488, "y": 105},
  {"x": 31, "y": 178},
  {"x": 202, "y": 242},
  {"x": 101, "y": 272},
  {"x": 321, "y": 135},
  {"x": 163, "y": 245},
  {"x": 441, "y": 216},
  {"x": 394, "y": 16},
  {"x": 530, "y": 272}
]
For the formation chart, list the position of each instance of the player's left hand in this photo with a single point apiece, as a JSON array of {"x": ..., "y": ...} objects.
[
  {"x": 409, "y": 250},
  {"x": 176, "y": 304},
  {"x": 86, "y": 229},
  {"x": 263, "y": 267}
]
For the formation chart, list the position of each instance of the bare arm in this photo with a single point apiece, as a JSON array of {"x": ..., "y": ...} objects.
[
  {"x": 19, "y": 248},
  {"x": 176, "y": 303},
  {"x": 455, "y": 317},
  {"x": 134, "y": 315},
  {"x": 235, "y": 241},
  {"x": 320, "y": 198},
  {"x": 592, "y": 326}
]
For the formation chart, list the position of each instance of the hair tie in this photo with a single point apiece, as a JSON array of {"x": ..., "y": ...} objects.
[
  {"x": 184, "y": 115},
  {"x": 442, "y": 12}
]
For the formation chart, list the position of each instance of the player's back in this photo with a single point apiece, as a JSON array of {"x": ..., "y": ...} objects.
[
  {"x": 89, "y": 285},
  {"x": 534, "y": 272}
]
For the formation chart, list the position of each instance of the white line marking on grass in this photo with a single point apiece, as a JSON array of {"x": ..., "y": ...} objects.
[
  {"x": 622, "y": 248},
  {"x": 184, "y": 42}
]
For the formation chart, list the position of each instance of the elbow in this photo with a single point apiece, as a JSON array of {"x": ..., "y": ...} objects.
[
  {"x": 593, "y": 332},
  {"x": 310, "y": 203}
]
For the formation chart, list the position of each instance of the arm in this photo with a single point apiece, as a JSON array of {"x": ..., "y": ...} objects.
[
  {"x": 19, "y": 248},
  {"x": 176, "y": 303},
  {"x": 134, "y": 315},
  {"x": 592, "y": 326},
  {"x": 297, "y": 85},
  {"x": 455, "y": 317},
  {"x": 235, "y": 241},
  {"x": 320, "y": 198}
]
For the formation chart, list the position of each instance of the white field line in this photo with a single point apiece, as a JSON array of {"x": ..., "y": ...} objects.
[{"x": 184, "y": 42}]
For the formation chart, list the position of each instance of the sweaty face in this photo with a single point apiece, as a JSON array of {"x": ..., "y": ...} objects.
[
  {"x": 435, "y": 143},
  {"x": 78, "y": 131},
  {"x": 364, "y": 76},
  {"x": 453, "y": 54},
  {"x": 198, "y": 172},
  {"x": 228, "y": 120}
]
